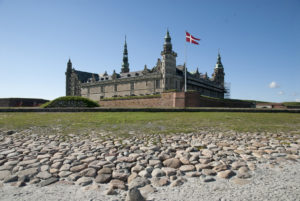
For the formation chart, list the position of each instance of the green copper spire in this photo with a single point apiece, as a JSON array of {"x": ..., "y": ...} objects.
[
  {"x": 125, "y": 65},
  {"x": 219, "y": 62},
  {"x": 168, "y": 44}
]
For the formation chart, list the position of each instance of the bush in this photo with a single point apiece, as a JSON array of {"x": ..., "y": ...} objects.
[{"x": 70, "y": 101}]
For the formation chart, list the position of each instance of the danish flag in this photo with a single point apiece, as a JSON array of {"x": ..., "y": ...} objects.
[{"x": 191, "y": 39}]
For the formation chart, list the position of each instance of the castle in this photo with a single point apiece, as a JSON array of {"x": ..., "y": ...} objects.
[{"x": 165, "y": 76}]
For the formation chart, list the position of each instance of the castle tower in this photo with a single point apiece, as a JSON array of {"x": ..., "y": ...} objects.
[
  {"x": 68, "y": 78},
  {"x": 125, "y": 65},
  {"x": 168, "y": 67},
  {"x": 218, "y": 75}
]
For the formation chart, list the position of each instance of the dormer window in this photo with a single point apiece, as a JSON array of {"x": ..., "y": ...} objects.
[
  {"x": 136, "y": 74},
  {"x": 128, "y": 75},
  {"x": 106, "y": 78},
  {"x": 102, "y": 78}
]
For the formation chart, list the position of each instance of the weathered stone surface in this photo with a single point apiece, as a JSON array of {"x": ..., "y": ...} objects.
[
  {"x": 65, "y": 167},
  {"x": 193, "y": 174},
  {"x": 146, "y": 190},
  {"x": 105, "y": 171},
  {"x": 27, "y": 172},
  {"x": 27, "y": 162},
  {"x": 44, "y": 175},
  {"x": 209, "y": 172},
  {"x": 158, "y": 173},
  {"x": 172, "y": 162},
  {"x": 74, "y": 176},
  {"x": 64, "y": 173},
  {"x": 120, "y": 174},
  {"x": 220, "y": 168},
  {"x": 187, "y": 168},
  {"x": 207, "y": 152},
  {"x": 226, "y": 174},
  {"x": 132, "y": 177},
  {"x": 138, "y": 182},
  {"x": 89, "y": 159},
  {"x": 134, "y": 195},
  {"x": 237, "y": 164},
  {"x": 88, "y": 172},
  {"x": 78, "y": 168},
  {"x": 10, "y": 178},
  {"x": 48, "y": 181},
  {"x": 144, "y": 173},
  {"x": 83, "y": 181},
  {"x": 103, "y": 178},
  {"x": 169, "y": 171},
  {"x": 117, "y": 184},
  {"x": 208, "y": 179}
]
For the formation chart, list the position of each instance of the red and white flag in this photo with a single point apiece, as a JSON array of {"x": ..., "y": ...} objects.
[{"x": 191, "y": 39}]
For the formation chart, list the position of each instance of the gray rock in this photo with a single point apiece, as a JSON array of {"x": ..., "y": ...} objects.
[
  {"x": 78, "y": 168},
  {"x": 187, "y": 168},
  {"x": 89, "y": 172},
  {"x": 172, "y": 162},
  {"x": 169, "y": 171},
  {"x": 138, "y": 182},
  {"x": 134, "y": 195},
  {"x": 83, "y": 181},
  {"x": 48, "y": 181},
  {"x": 64, "y": 173},
  {"x": 144, "y": 173},
  {"x": 103, "y": 178},
  {"x": 27, "y": 162},
  {"x": 11, "y": 178},
  {"x": 65, "y": 167},
  {"x": 117, "y": 184},
  {"x": 158, "y": 173},
  {"x": 226, "y": 174},
  {"x": 44, "y": 175},
  {"x": 28, "y": 172}
]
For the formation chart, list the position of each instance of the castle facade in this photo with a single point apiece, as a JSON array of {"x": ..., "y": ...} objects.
[{"x": 166, "y": 75}]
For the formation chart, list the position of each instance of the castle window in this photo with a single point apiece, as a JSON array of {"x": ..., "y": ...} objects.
[
  {"x": 136, "y": 74},
  {"x": 102, "y": 89},
  {"x": 102, "y": 78},
  {"x": 132, "y": 86},
  {"x": 106, "y": 78},
  {"x": 116, "y": 87},
  {"x": 128, "y": 75},
  {"x": 157, "y": 84}
]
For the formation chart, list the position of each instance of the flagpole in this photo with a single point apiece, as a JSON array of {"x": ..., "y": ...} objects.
[{"x": 185, "y": 77}]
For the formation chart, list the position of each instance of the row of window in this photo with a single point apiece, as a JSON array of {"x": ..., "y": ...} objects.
[{"x": 157, "y": 86}]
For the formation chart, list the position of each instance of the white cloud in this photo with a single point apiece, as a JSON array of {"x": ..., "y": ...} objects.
[
  {"x": 295, "y": 94},
  {"x": 280, "y": 93},
  {"x": 298, "y": 100},
  {"x": 273, "y": 85}
]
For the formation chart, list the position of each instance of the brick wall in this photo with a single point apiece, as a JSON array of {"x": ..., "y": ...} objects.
[{"x": 176, "y": 99}]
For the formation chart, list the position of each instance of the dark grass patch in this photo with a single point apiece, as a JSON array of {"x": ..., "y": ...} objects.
[{"x": 70, "y": 101}]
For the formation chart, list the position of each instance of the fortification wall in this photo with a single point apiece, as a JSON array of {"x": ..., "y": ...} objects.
[
  {"x": 176, "y": 100},
  {"x": 194, "y": 99},
  {"x": 21, "y": 102},
  {"x": 166, "y": 100}
]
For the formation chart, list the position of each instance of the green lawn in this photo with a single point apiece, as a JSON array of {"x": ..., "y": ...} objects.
[{"x": 146, "y": 122}]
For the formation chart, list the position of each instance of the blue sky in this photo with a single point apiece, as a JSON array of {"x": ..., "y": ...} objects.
[{"x": 259, "y": 42}]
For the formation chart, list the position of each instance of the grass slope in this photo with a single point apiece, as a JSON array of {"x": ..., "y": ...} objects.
[{"x": 146, "y": 122}]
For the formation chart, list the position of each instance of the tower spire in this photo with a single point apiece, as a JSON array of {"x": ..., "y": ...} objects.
[
  {"x": 219, "y": 62},
  {"x": 167, "y": 43},
  {"x": 125, "y": 65}
]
